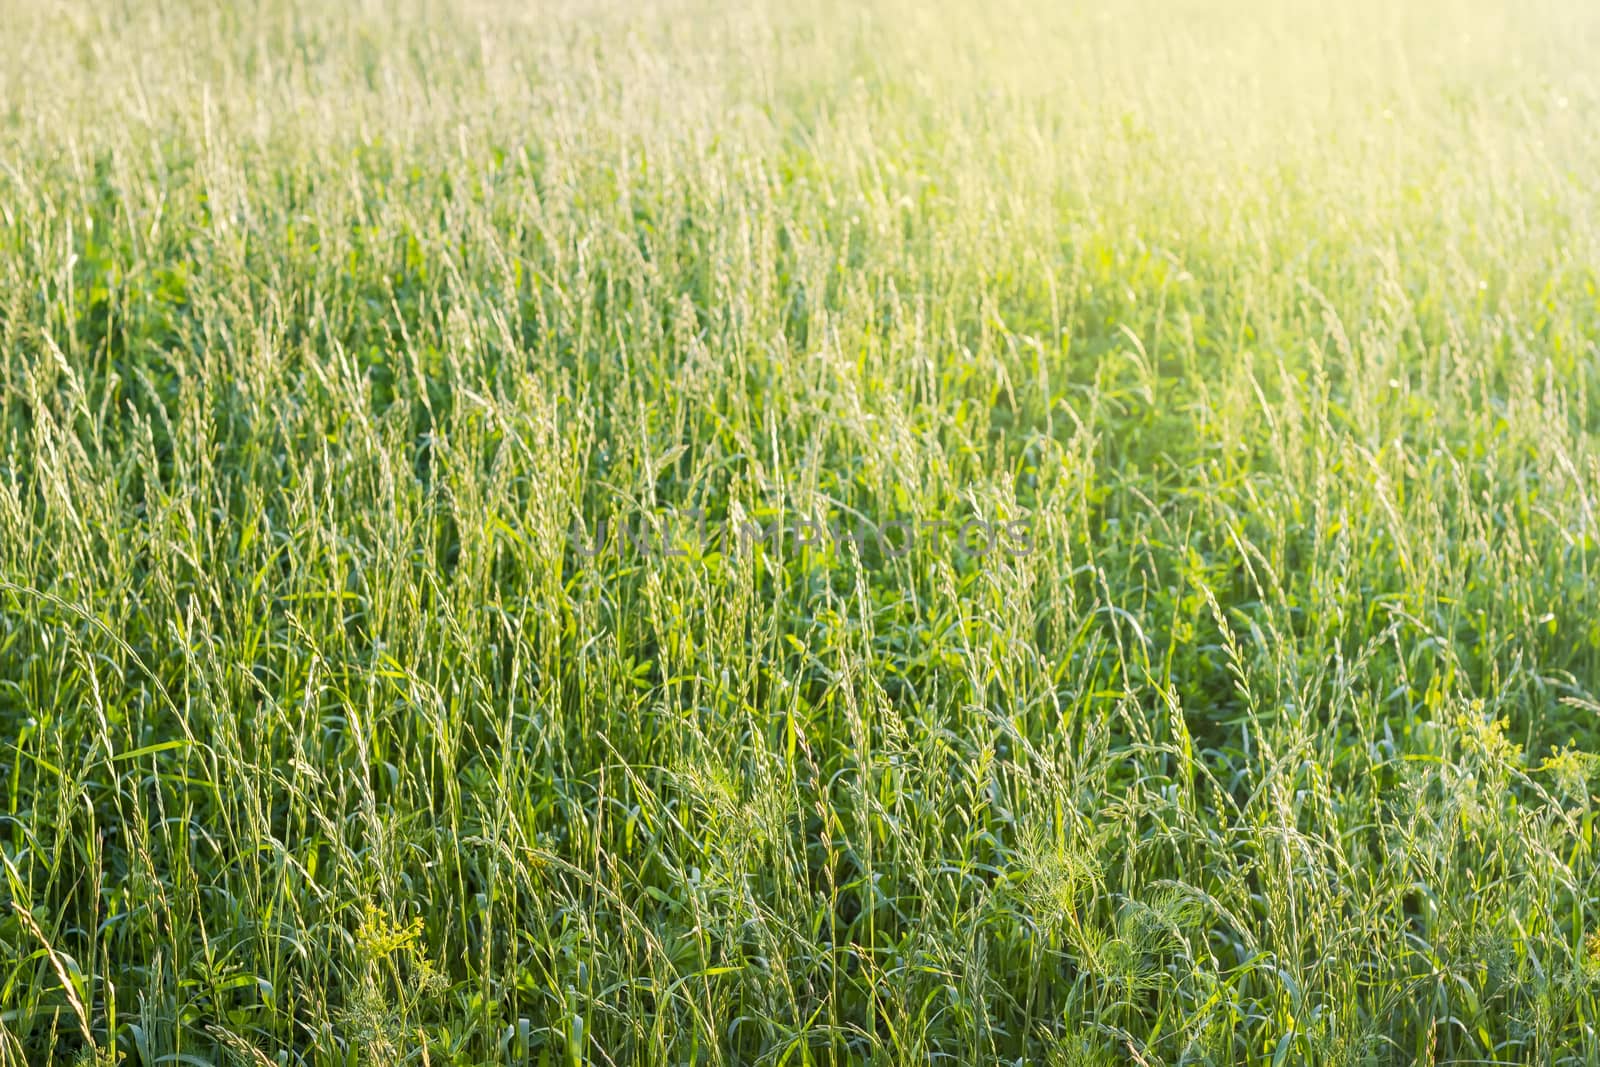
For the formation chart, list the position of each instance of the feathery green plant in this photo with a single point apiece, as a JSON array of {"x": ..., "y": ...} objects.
[{"x": 329, "y": 333}]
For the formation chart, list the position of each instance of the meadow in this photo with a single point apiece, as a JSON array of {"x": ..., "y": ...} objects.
[{"x": 370, "y": 692}]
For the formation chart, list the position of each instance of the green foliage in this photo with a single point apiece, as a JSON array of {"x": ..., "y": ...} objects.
[{"x": 327, "y": 332}]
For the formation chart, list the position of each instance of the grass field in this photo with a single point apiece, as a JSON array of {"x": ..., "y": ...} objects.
[{"x": 797, "y": 532}]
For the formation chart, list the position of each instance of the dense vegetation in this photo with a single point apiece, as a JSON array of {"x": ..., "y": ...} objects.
[{"x": 333, "y": 337}]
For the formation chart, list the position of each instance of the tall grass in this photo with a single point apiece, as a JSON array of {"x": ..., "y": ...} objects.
[{"x": 329, "y": 333}]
